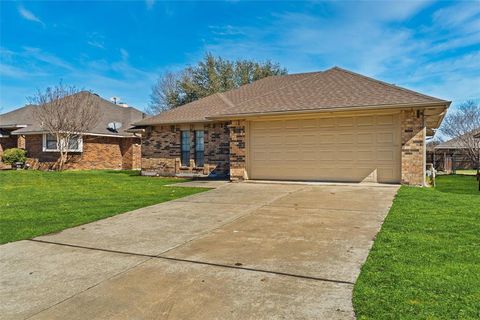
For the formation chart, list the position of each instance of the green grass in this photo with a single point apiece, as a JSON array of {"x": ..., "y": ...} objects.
[
  {"x": 425, "y": 262},
  {"x": 34, "y": 203}
]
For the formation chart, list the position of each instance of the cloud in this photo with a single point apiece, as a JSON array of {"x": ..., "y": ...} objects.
[
  {"x": 377, "y": 39},
  {"x": 124, "y": 54},
  {"x": 33, "y": 68},
  {"x": 149, "y": 4},
  {"x": 28, "y": 15},
  {"x": 96, "y": 44},
  {"x": 41, "y": 56}
]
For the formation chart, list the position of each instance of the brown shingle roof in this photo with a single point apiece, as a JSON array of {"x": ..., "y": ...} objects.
[
  {"x": 108, "y": 112},
  {"x": 334, "y": 88},
  {"x": 459, "y": 142}
]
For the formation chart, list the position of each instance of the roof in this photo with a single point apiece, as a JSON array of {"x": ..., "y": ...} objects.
[
  {"x": 333, "y": 89},
  {"x": 458, "y": 142},
  {"x": 24, "y": 118}
]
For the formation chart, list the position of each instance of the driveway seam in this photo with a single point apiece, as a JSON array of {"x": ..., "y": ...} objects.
[
  {"x": 90, "y": 287},
  {"x": 151, "y": 256},
  {"x": 324, "y": 208},
  {"x": 249, "y": 213}
]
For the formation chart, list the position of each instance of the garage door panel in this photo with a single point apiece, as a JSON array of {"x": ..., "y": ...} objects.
[
  {"x": 346, "y": 122},
  {"x": 326, "y": 123},
  {"x": 385, "y": 120},
  {"x": 362, "y": 148}
]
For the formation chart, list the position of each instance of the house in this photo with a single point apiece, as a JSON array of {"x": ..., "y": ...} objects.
[
  {"x": 451, "y": 155},
  {"x": 106, "y": 146},
  {"x": 334, "y": 125}
]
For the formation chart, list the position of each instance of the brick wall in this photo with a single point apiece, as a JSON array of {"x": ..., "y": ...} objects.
[
  {"x": 131, "y": 153},
  {"x": 98, "y": 153},
  {"x": 237, "y": 150},
  {"x": 161, "y": 150},
  {"x": 413, "y": 147}
]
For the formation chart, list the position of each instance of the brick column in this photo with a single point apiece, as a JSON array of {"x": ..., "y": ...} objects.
[
  {"x": 413, "y": 147},
  {"x": 21, "y": 142},
  {"x": 237, "y": 150}
]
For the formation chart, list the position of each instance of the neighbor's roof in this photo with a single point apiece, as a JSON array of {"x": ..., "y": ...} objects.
[
  {"x": 24, "y": 118},
  {"x": 333, "y": 89},
  {"x": 458, "y": 142}
]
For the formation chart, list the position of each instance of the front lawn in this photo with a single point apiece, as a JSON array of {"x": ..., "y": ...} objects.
[
  {"x": 34, "y": 203},
  {"x": 425, "y": 262}
]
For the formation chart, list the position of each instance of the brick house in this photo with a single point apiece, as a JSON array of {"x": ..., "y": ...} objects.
[
  {"x": 107, "y": 146},
  {"x": 452, "y": 155},
  {"x": 333, "y": 125}
]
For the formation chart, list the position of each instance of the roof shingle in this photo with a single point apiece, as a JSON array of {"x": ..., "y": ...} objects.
[
  {"x": 334, "y": 88},
  {"x": 108, "y": 112}
]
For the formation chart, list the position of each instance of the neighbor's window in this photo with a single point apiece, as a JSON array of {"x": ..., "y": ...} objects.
[
  {"x": 199, "y": 148},
  {"x": 185, "y": 148},
  {"x": 50, "y": 143}
]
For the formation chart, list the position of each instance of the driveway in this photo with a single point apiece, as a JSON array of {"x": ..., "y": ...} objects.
[{"x": 240, "y": 251}]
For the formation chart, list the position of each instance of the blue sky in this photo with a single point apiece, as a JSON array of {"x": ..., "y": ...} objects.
[{"x": 118, "y": 48}]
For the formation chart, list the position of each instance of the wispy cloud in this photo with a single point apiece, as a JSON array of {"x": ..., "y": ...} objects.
[
  {"x": 108, "y": 78},
  {"x": 124, "y": 54},
  {"x": 28, "y": 15},
  {"x": 149, "y": 4},
  {"x": 96, "y": 44},
  {"x": 375, "y": 39},
  {"x": 96, "y": 40}
]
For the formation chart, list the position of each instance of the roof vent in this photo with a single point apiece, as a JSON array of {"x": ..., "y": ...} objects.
[{"x": 114, "y": 126}]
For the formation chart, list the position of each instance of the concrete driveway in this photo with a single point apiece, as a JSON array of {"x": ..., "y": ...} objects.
[{"x": 241, "y": 251}]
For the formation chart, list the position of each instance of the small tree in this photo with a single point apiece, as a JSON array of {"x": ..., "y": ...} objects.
[
  {"x": 462, "y": 124},
  {"x": 67, "y": 113}
]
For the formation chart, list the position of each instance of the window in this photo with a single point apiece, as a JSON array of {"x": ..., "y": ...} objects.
[
  {"x": 199, "y": 148},
  {"x": 185, "y": 156},
  {"x": 50, "y": 143}
]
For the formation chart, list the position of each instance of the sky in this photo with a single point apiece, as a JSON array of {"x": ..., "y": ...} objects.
[{"x": 119, "y": 48}]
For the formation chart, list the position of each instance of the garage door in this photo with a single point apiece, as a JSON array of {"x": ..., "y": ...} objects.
[{"x": 355, "y": 148}]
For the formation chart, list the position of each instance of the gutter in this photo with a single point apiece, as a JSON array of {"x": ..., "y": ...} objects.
[
  {"x": 29, "y": 133},
  {"x": 445, "y": 104}
]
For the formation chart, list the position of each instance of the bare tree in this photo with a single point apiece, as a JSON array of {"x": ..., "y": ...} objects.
[
  {"x": 165, "y": 93},
  {"x": 462, "y": 124},
  {"x": 66, "y": 113}
]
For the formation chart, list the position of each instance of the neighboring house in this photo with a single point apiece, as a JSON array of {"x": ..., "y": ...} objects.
[
  {"x": 334, "y": 125},
  {"x": 106, "y": 146},
  {"x": 450, "y": 155}
]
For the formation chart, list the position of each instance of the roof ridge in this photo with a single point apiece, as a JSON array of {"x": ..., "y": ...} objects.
[
  {"x": 386, "y": 84},
  {"x": 282, "y": 87},
  {"x": 225, "y": 99}
]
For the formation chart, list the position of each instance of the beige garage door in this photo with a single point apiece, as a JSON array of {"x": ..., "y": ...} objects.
[{"x": 351, "y": 148}]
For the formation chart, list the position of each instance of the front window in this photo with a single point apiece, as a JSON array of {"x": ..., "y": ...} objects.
[
  {"x": 199, "y": 148},
  {"x": 185, "y": 157},
  {"x": 50, "y": 143}
]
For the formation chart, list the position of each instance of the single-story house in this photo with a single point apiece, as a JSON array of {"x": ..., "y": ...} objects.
[
  {"x": 333, "y": 125},
  {"x": 106, "y": 146},
  {"x": 451, "y": 155}
]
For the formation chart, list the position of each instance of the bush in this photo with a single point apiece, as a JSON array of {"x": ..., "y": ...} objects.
[{"x": 10, "y": 156}]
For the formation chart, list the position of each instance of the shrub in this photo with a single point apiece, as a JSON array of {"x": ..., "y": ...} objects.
[{"x": 10, "y": 156}]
